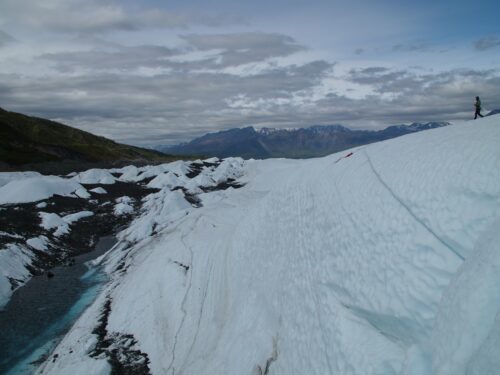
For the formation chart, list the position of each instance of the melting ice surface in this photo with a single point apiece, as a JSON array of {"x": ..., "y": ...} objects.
[
  {"x": 40, "y": 312},
  {"x": 381, "y": 260}
]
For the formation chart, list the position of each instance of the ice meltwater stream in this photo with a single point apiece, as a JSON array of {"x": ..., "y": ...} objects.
[{"x": 39, "y": 313}]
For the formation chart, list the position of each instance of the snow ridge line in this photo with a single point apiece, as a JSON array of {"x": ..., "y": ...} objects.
[{"x": 417, "y": 219}]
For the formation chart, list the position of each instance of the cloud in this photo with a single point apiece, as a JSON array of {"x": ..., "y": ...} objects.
[
  {"x": 176, "y": 89},
  {"x": 243, "y": 48},
  {"x": 373, "y": 70},
  {"x": 399, "y": 82},
  {"x": 404, "y": 95},
  {"x": 410, "y": 47},
  {"x": 384, "y": 80},
  {"x": 170, "y": 105},
  {"x": 200, "y": 52},
  {"x": 5, "y": 38},
  {"x": 93, "y": 16},
  {"x": 167, "y": 108},
  {"x": 487, "y": 43},
  {"x": 111, "y": 57}
]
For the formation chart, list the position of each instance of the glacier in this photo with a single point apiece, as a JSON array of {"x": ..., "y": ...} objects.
[{"x": 383, "y": 259}]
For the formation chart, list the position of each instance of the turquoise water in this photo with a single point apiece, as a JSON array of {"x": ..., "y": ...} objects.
[{"x": 39, "y": 313}]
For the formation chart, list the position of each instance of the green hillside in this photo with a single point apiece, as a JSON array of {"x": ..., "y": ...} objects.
[{"x": 32, "y": 140}]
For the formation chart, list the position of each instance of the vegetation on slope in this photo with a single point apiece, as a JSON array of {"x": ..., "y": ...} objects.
[{"x": 32, "y": 140}]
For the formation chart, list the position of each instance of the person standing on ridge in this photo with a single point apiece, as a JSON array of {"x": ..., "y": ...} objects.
[{"x": 477, "y": 104}]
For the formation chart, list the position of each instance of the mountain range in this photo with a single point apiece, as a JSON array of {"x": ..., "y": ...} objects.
[{"x": 308, "y": 142}]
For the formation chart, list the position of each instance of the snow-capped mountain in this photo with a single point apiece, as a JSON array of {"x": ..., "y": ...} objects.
[
  {"x": 382, "y": 259},
  {"x": 291, "y": 143}
]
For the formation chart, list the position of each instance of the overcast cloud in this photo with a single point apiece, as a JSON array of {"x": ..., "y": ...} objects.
[
  {"x": 97, "y": 16},
  {"x": 144, "y": 74},
  {"x": 5, "y": 38},
  {"x": 487, "y": 42}
]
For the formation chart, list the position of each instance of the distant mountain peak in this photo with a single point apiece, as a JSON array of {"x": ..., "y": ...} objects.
[
  {"x": 267, "y": 131},
  {"x": 316, "y": 140},
  {"x": 313, "y": 128},
  {"x": 329, "y": 128}
]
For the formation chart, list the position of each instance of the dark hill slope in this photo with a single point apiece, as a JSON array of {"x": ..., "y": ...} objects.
[{"x": 33, "y": 141}]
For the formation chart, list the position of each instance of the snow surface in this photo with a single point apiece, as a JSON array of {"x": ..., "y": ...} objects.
[
  {"x": 179, "y": 167},
  {"x": 6, "y": 177},
  {"x": 229, "y": 168},
  {"x": 61, "y": 224},
  {"x": 14, "y": 260},
  {"x": 168, "y": 179},
  {"x": 384, "y": 262},
  {"x": 98, "y": 190},
  {"x": 148, "y": 172},
  {"x": 95, "y": 176},
  {"x": 82, "y": 193},
  {"x": 134, "y": 174},
  {"x": 38, "y": 243},
  {"x": 123, "y": 206},
  {"x": 160, "y": 209},
  {"x": 470, "y": 342},
  {"x": 128, "y": 173},
  {"x": 10, "y": 235},
  {"x": 33, "y": 189}
]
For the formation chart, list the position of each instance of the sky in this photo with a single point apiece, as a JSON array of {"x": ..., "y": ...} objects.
[{"x": 157, "y": 72}]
